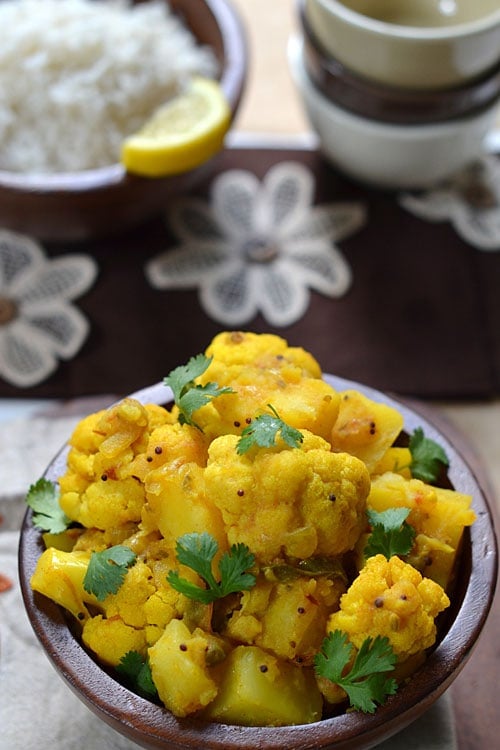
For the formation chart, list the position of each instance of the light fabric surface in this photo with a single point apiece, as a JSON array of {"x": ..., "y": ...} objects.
[{"x": 37, "y": 710}]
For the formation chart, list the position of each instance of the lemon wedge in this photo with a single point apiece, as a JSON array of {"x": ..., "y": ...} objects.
[{"x": 181, "y": 134}]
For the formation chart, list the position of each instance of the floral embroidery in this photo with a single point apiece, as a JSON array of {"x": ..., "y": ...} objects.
[
  {"x": 38, "y": 324},
  {"x": 470, "y": 201},
  {"x": 258, "y": 246}
]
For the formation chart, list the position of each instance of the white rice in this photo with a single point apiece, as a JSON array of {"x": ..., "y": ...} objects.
[{"x": 77, "y": 76}]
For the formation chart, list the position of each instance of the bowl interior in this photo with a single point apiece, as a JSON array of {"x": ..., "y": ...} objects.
[
  {"x": 423, "y": 20},
  {"x": 152, "y": 726},
  {"x": 409, "y": 56},
  {"x": 77, "y": 205}
]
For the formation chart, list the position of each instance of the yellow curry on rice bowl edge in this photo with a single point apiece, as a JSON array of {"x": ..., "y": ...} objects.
[{"x": 266, "y": 538}]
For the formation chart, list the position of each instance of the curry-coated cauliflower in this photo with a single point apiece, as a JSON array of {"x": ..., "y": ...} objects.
[
  {"x": 264, "y": 370},
  {"x": 100, "y": 487},
  {"x": 296, "y": 502},
  {"x": 392, "y": 599}
]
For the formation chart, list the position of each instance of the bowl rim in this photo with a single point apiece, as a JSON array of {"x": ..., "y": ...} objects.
[
  {"x": 232, "y": 81},
  {"x": 389, "y": 103},
  {"x": 412, "y": 33},
  {"x": 410, "y": 133},
  {"x": 153, "y": 726}
]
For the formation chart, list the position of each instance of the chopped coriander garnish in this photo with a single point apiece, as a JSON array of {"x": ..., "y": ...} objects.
[
  {"x": 263, "y": 431},
  {"x": 107, "y": 570},
  {"x": 43, "y": 499},
  {"x": 391, "y": 535},
  {"x": 188, "y": 396},
  {"x": 197, "y": 551},
  {"x": 137, "y": 673},
  {"x": 427, "y": 457},
  {"x": 365, "y": 682}
]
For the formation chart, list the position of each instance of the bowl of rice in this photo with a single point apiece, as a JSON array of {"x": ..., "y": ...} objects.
[{"x": 79, "y": 76}]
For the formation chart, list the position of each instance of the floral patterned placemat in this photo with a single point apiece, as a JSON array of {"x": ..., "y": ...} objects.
[{"x": 399, "y": 291}]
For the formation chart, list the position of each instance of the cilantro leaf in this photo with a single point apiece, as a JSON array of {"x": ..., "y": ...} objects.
[
  {"x": 365, "y": 682},
  {"x": 43, "y": 499},
  {"x": 427, "y": 457},
  {"x": 233, "y": 567},
  {"x": 391, "y": 535},
  {"x": 137, "y": 673},
  {"x": 188, "y": 396},
  {"x": 197, "y": 551},
  {"x": 263, "y": 431},
  {"x": 107, "y": 569}
]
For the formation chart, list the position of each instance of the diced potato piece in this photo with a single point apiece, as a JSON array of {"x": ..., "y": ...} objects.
[
  {"x": 365, "y": 428},
  {"x": 59, "y": 575},
  {"x": 287, "y": 619},
  {"x": 453, "y": 513},
  {"x": 439, "y": 517},
  {"x": 179, "y": 669},
  {"x": 396, "y": 460},
  {"x": 177, "y": 504},
  {"x": 257, "y": 689},
  {"x": 433, "y": 558},
  {"x": 65, "y": 540}
]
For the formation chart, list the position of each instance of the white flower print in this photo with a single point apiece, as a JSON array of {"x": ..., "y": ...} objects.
[
  {"x": 38, "y": 325},
  {"x": 470, "y": 201},
  {"x": 258, "y": 246}
]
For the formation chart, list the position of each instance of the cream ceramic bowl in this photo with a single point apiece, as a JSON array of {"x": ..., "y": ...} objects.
[
  {"x": 389, "y": 155},
  {"x": 415, "y": 45}
]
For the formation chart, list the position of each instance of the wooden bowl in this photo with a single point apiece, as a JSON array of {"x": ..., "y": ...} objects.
[
  {"x": 152, "y": 726},
  {"x": 79, "y": 205}
]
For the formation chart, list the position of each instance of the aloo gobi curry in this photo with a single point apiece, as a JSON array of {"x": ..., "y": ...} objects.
[{"x": 263, "y": 550}]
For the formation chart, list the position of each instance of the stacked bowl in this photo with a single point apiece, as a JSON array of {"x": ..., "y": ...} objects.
[{"x": 401, "y": 94}]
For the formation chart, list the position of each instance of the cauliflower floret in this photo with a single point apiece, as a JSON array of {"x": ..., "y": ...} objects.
[
  {"x": 262, "y": 370},
  {"x": 105, "y": 504},
  {"x": 131, "y": 597},
  {"x": 99, "y": 487},
  {"x": 110, "y": 639},
  {"x": 170, "y": 446},
  {"x": 298, "y": 502},
  {"x": 391, "y": 598},
  {"x": 233, "y": 349}
]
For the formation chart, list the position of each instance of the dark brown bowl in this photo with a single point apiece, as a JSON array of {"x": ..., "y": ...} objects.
[
  {"x": 78, "y": 205},
  {"x": 152, "y": 726},
  {"x": 390, "y": 104}
]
